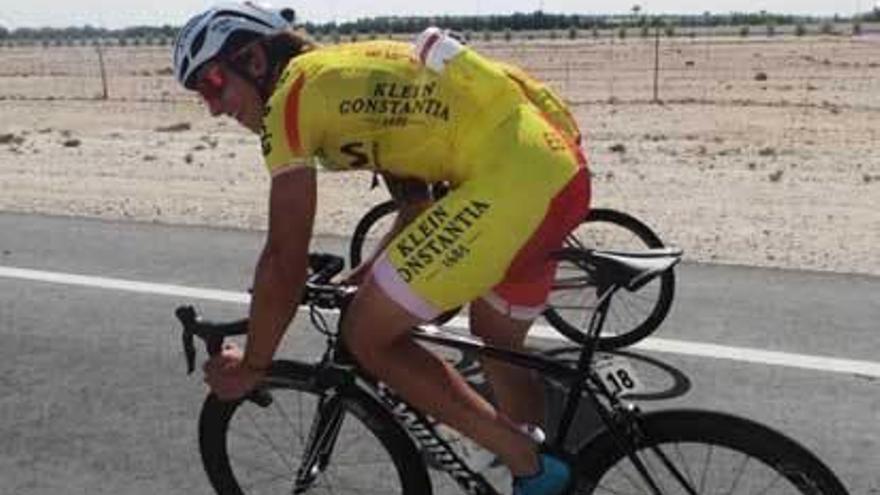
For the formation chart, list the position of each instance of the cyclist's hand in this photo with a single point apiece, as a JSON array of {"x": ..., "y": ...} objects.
[{"x": 226, "y": 376}]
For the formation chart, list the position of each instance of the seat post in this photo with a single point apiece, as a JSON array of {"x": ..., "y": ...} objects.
[
  {"x": 597, "y": 321},
  {"x": 579, "y": 383}
]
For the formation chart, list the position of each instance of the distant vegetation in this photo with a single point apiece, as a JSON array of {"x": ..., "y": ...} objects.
[{"x": 486, "y": 23}]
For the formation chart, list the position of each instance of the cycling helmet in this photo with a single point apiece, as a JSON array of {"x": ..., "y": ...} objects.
[{"x": 206, "y": 35}]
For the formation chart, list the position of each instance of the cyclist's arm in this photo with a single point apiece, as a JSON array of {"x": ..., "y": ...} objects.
[
  {"x": 282, "y": 269},
  {"x": 412, "y": 197}
]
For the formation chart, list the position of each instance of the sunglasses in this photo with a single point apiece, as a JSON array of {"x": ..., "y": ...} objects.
[{"x": 210, "y": 84}]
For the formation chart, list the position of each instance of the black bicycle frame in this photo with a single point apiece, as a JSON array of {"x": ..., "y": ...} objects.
[
  {"x": 578, "y": 379},
  {"x": 423, "y": 430},
  {"x": 338, "y": 369}
]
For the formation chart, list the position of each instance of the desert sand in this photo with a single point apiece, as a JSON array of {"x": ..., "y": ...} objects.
[{"x": 780, "y": 170}]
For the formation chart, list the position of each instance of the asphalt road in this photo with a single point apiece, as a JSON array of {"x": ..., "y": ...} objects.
[{"x": 94, "y": 397}]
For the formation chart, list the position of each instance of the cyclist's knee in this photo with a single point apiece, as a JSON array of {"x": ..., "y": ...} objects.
[
  {"x": 495, "y": 328},
  {"x": 373, "y": 323},
  {"x": 364, "y": 341}
]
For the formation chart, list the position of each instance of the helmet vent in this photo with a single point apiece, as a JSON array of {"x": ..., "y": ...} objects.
[
  {"x": 196, "y": 46},
  {"x": 233, "y": 13},
  {"x": 183, "y": 67}
]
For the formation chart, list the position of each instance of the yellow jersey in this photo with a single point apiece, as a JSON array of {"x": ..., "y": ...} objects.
[{"x": 373, "y": 106}]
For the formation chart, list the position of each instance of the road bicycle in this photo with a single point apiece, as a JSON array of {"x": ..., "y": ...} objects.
[
  {"x": 326, "y": 427},
  {"x": 573, "y": 299}
]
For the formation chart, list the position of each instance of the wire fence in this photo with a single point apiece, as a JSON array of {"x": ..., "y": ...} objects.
[
  {"x": 833, "y": 71},
  {"x": 784, "y": 71}
]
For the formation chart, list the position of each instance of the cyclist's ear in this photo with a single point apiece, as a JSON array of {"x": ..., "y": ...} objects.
[{"x": 254, "y": 60}]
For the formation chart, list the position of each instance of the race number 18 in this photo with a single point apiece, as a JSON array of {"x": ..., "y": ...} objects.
[{"x": 618, "y": 375}]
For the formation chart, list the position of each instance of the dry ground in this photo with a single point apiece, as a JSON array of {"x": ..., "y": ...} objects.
[{"x": 782, "y": 170}]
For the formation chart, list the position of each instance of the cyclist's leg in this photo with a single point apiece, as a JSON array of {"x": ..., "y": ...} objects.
[
  {"x": 456, "y": 251},
  {"x": 517, "y": 390},
  {"x": 448, "y": 256},
  {"x": 504, "y": 315},
  {"x": 377, "y": 330},
  {"x": 511, "y": 306}
]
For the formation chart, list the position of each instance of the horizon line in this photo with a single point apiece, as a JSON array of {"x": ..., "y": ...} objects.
[{"x": 813, "y": 15}]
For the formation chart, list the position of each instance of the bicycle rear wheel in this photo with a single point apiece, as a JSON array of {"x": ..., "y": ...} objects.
[
  {"x": 632, "y": 315},
  {"x": 253, "y": 449},
  {"x": 369, "y": 230},
  {"x": 702, "y": 452}
]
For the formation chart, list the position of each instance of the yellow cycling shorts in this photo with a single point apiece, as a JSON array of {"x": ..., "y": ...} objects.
[{"x": 492, "y": 235}]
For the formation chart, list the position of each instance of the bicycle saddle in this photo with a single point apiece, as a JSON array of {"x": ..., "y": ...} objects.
[{"x": 632, "y": 270}]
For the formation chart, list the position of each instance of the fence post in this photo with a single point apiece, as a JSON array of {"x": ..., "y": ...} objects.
[
  {"x": 104, "y": 94},
  {"x": 657, "y": 65}
]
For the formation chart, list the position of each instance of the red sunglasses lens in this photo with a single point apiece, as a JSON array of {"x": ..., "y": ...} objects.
[{"x": 210, "y": 86}]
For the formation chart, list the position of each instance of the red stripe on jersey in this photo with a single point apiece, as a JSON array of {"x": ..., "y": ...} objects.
[
  {"x": 530, "y": 276},
  {"x": 291, "y": 115}
]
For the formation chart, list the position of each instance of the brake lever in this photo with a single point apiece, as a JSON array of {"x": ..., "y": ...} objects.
[
  {"x": 189, "y": 351},
  {"x": 187, "y": 317}
]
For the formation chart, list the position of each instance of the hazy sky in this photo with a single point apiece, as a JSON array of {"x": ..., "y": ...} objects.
[{"x": 122, "y": 13}]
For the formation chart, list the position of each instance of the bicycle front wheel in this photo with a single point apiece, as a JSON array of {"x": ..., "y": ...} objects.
[
  {"x": 632, "y": 315},
  {"x": 701, "y": 452},
  {"x": 354, "y": 445}
]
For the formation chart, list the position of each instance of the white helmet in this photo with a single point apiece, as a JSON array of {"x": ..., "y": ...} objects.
[{"x": 206, "y": 34}]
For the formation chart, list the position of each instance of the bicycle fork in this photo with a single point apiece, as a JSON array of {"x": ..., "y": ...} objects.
[
  {"x": 322, "y": 438},
  {"x": 627, "y": 441}
]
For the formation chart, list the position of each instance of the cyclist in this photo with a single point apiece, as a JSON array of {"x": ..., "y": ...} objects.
[{"x": 433, "y": 110}]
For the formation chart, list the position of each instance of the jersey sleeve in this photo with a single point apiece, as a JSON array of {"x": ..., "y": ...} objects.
[
  {"x": 484, "y": 84},
  {"x": 292, "y": 123},
  {"x": 548, "y": 101}
]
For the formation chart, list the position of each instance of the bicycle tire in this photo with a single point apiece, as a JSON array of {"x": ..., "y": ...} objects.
[
  {"x": 226, "y": 472},
  {"x": 704, "y": 437},
  {"x": 617, "y": 333},
  {"x": 359, "y": 239},
  {"x": 362, "y": 230}
]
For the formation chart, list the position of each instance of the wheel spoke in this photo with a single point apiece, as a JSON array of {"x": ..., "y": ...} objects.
[
  {"x": 736, "y": 458},
  {"x": 263, "y": 447}
]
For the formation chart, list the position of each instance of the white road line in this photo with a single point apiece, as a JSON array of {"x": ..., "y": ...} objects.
[
  {"x": 819, "y": 363},
  {"x": 125, "y": 285},
  {"x": 745, "y": 354}
]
